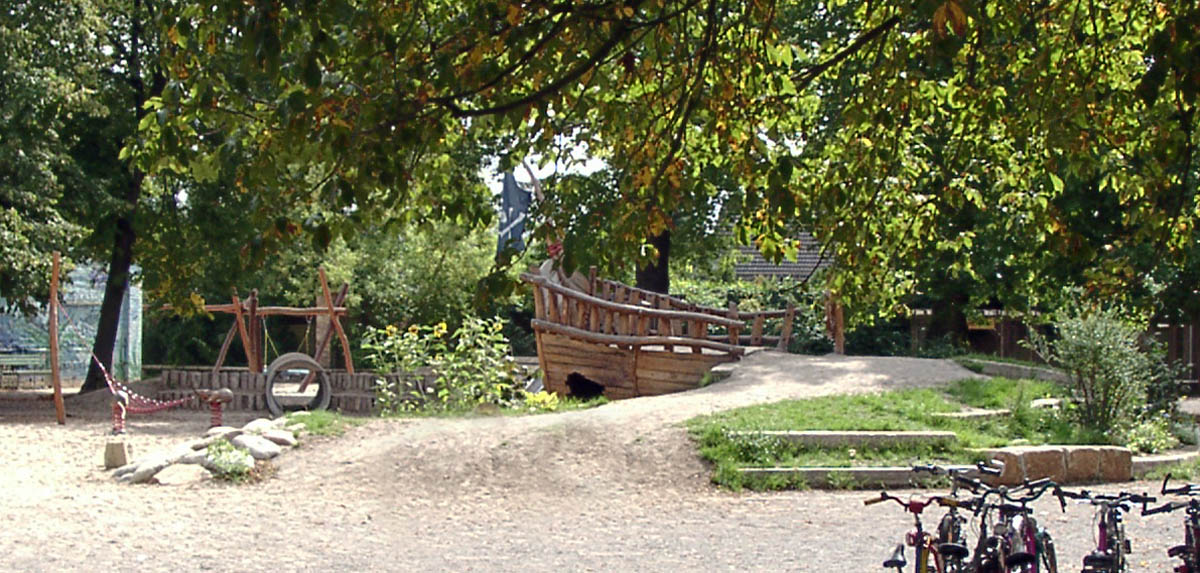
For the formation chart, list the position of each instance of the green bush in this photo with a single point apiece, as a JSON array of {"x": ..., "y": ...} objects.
[
  {"x": 1150, "y": 435},
  {"x": 444, "y": 372},
  {"x": 229, "y": 462},
  {"x": 1110, "y": 375}
]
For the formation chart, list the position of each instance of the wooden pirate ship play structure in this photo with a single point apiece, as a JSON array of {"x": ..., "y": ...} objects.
[{"x": 622, "y": 341}]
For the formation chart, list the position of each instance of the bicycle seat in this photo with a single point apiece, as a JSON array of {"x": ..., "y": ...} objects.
[
  {"x": 897, "y": 559},
  {"x": 1097, "y": 559},
  {"x": 1019, "y": 558},
  {"x": 954, "y": 550}
]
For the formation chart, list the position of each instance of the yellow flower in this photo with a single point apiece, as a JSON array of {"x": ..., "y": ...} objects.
[
  {"x": 391, "y": 330},
  {"x": 439, "y": 329},
  {"x": 414, "y": 330}
]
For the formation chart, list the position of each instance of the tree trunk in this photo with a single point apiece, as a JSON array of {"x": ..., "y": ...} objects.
[
  {"x": 122, "y": 254},
  {"x": 114, "y": 295},
  {"x": 655, "y": 276}
]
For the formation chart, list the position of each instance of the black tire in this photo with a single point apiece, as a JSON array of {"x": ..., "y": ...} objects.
[
  {"x": 292, "y": 360},
  {"x": 1049, "y": 556}
]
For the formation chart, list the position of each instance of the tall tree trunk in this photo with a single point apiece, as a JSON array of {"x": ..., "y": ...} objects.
[
  {"x": 114, "y": 294},
  {"x": 655, "y": 276},
  {"x": 125, "y": 236}
]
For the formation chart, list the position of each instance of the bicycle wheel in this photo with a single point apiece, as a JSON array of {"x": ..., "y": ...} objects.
[{"x": 1048, "y": 556}]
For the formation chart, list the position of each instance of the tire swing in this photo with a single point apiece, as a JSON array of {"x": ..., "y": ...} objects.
[{"x": 282, "y": 371}]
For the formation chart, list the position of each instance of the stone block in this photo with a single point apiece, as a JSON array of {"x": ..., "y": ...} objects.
[
  {"x": 115, "y": 454},
  {"x": 1083, "y": 464},
  {"x": 1045, "y": 462},
  {"x": 1013, "y": 472},
  {"x": 1116, "y": 463}
]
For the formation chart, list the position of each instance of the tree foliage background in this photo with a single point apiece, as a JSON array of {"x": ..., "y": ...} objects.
[{"x": 979, "y": 153}]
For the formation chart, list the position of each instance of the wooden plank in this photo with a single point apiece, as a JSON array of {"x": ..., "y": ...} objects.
[
  {"x": 55, "y": 378},
  {"x": 631, "y": 341},
  {"x": 680, "y": 362}
]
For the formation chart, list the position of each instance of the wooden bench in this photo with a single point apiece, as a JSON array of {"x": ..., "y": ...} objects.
[
  {"x": 23, "y": 370},
  {"x": 629, "y": 341}
]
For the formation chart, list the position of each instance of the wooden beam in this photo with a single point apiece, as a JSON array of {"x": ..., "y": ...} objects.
[
  {"x": 255, "y": 330},
  {"x": 241, "y": 328},
  {"x": 224, "y": 348},
  {"x": 55, "y": 376},
  {"x": 633, "y": 341},
  {"x": 272, "y": 310},
  {"x": 333, "y": 318}
]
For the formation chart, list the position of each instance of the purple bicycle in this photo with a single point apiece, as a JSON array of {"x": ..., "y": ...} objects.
[{"x": 1112, "y": 546}]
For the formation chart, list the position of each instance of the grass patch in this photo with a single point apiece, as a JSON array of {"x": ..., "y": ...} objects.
[
  {"x": 720, "y": 442},
  {"x": 1187, "y": 471},
  {"x": 996, "y": 393},
  {"x": 322, "y": 422}
]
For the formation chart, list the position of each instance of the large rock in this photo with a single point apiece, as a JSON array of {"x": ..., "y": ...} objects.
[
  {"x": 259, "y": 426},
  {"x": 146, "y": 469},
  {"x": 182, "y": 475},
  {"x": 281, "y": 437},
  {"x": 226, "y": 432},
  {"x": 196, "y": 457},
  {"x": 258, "y": 446}
]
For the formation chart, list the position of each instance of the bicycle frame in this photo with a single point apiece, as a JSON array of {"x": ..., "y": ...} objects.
[
  {"x": 1112, "y": 547},
  {"x": 1189, "y": 552},
  {"x": 1016, "y": 543},
  {"x": 923, "y": 542}
]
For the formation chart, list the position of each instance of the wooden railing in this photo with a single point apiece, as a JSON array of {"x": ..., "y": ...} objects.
[
  {"x": 575, "y": 313},
  {"x": 622, "y": 293}
]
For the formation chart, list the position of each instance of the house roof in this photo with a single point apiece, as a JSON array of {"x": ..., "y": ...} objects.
[{"x": 751, "y": 263}]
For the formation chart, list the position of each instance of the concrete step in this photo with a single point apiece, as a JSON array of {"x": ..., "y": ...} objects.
[
  {"x": 859, "y": 439},
  {"x": 867, "y": 477}
]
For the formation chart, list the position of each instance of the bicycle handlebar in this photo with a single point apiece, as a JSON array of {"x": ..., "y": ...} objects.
[
  {"x": 1185, "y": 489},
  {"x": 1121, "y": 500},
  {"x": 1166, "y": 508},
  {"x": 916, "y": 505}
]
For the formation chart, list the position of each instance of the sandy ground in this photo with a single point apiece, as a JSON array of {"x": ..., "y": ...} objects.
[{"x": 615, "y": 488}]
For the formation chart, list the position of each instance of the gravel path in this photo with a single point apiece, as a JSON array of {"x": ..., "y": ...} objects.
[{"x": 614, "y": 488}]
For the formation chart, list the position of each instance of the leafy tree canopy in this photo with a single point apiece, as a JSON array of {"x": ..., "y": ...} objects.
[
  {"x": 882, "y": 127},
  {"x": 47, "y": 75}
]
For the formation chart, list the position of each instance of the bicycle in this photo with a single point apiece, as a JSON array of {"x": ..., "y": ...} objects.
[
  {"x": 1189, "y": 552},
  {"x": 947, "y": 549},
  {"x": 1112, "y": 546},
  {"x": 1016, "y": 543},
  {"x": 926, "y": 544}
]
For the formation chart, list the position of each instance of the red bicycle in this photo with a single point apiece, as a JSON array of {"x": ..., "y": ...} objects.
[{"x": 932, "y": 553}]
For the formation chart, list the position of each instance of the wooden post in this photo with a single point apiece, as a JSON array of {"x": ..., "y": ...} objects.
[
  {"x": 341, "y": 298},
  {"x": 839, "y": 329},
  {"x": 256, "y": 364},
  {"x": 337, "y": 324},
  {"x": 785, "y": 335},
  {"x": 756, "y": 331},
  {"x": 55, "y": 378},
  {"x": 733, "y": 332},
  {"x": 241, "y": 328}
]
